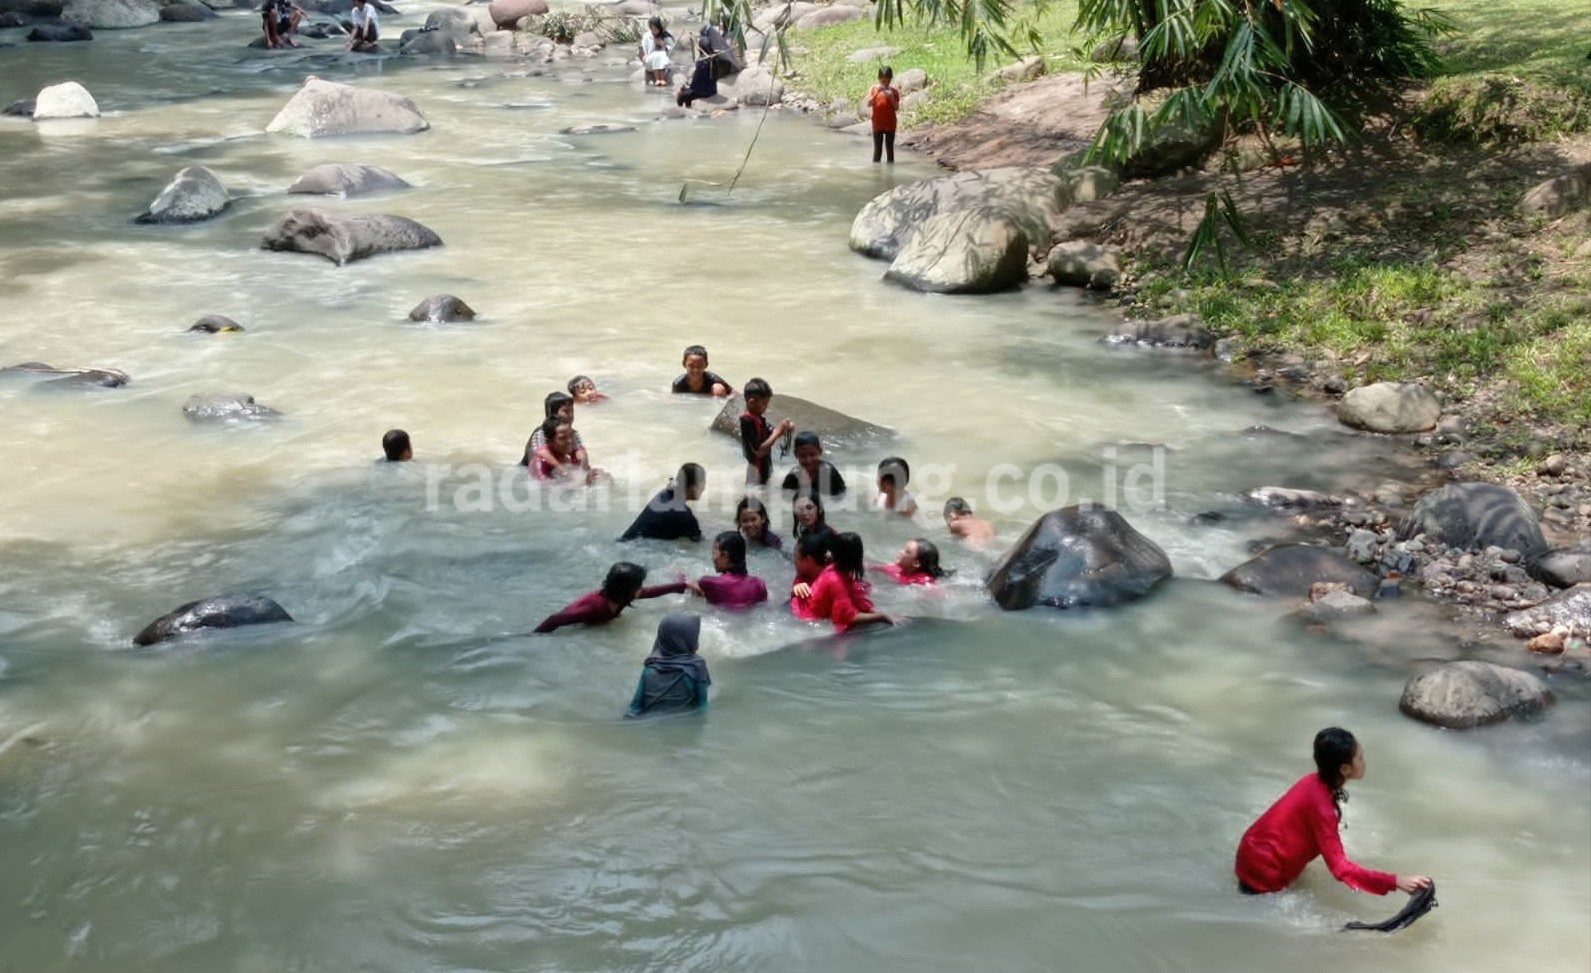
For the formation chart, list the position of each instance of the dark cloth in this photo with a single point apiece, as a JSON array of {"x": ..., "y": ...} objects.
[
  {"x": 830, "y": 482},
  {"x": 370, "y": 36},
  {"x": 824, "y": 531},
  {"x": 754, "y": 431},
  {"x": 770, "y": 540},
  {"x": 665, "y": 518},
  {"x": 883, "y": 142},
  {"x": 1421, "y": 902},
  {"x": 720, "y": 50},
  {"x": 703, "y": 85},
  {"x": 673, "y": 677},
  {"x": 1247, "y": 889},
  {"x": 593, "y": 608},
  {"x": 682, "y": 385}
]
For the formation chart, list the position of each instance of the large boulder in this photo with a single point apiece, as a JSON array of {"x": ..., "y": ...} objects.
[
  {"x": 1466, "y": 694},
  {"x": 65, "y": 100},
  {"x": 111, "y": 14},
  {"x": 1172, "y": 147},
  {"x": 235, "y": 407},
  {"x": 1033, "y": 197},
  {"x": 68, "y": 378},
  {"x": 755, "y": 86},
  {"x": 1085, "y": 555},
  {"x": 911, "y": 80},
  {"x": 345, "y": 179},
  {"x": 1559, "y": 196},
  {"x": 971, "y": 251},
  {"x": 194, "y": 194},
  {"x": 832, "y": 426},
  {"x": 442, "y": 308},
  {"x": 1390, "y": 407},
  {"x": 60, "y": 33},
  {"x": 21, "y": 108},
  {"x": 1078, "y": 263},
  {"x": 506, "y": 13},
  {"x": 1111, "y": 50},
  {"x": 322, "y": 108},
  {"x": 828, "y": 16},
  {"x": 227, "y": 611},
  {"x": 1566, "y": 567},
  {"x": 1568, "y": 612},
  {"x": 343, "y": 238},
  {"x": 451, "y": 18},
  {"x": 1291, "y": 570},
  {"x": 186, "y": 12},
  {"x": 1475, "y": 516},
  {"x": 439, "y": 43}
]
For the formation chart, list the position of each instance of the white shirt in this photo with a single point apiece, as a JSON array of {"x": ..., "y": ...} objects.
[{"x": 359, "y": 17}]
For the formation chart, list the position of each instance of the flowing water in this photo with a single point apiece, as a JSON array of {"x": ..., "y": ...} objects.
[{"x": 400, "y": 781}]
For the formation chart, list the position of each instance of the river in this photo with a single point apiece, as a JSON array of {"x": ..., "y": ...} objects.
[{"x": 400, "y": 781}]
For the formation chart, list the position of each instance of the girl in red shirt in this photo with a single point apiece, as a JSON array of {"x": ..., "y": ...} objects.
[
  {"x": 1302, "y": 825},
  {"x": 917, "y": 563},
  {"x": 840, "y": 594}
]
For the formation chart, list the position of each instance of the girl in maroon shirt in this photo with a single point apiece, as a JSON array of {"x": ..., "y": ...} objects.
[
  {"x": 731, "y": 587},
  {"x": 621, "y": 587},
  {"x": 1302, "y": 826}
]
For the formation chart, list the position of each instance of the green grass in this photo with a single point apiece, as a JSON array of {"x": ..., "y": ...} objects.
[
  {"x": 820, "y": 58},
  {"x": 1538, "y": 40}
]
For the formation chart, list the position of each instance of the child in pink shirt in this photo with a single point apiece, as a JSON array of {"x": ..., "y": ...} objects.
[{"x": 731, "y": 587}]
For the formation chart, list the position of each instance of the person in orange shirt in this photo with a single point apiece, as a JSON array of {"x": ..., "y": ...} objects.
[{"x": 884, "y": 98}]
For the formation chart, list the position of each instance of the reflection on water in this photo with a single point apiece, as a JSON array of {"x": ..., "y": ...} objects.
[{"x": 403, "y": 780}]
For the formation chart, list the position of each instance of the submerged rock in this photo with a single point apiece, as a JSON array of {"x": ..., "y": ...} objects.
[
  {"x": 1466, "y": 694},
  {"x": 194, "y": 194},
  {"x": 442, "y": 308},
  {"x": 1086, "y": 555},
  {"x": 345, "y": 179},
  {"x": 226, "y": 611},
  {"x": 236, "y": 407},
  {"x": 59, "y": 34},
  {"x": 344, "y": 238},
  {"x": 324, "y": 108},
  {"x": 832, "y": 426},
  {"x": 66, "y": 378},
  {"x": 215, "y": 324},
  {"x": 1291, "y": 570},
  {"x": 599, "y": 128},
  {"x": 65, "y": 100},
  {"x": 21, "y": 108},
  {"x": 1177, "y": 331},
  {"x": 973, "y": 251},
  {"x": 1475, "y": 516},
  {"x": 1032, "y": 197},
  {"x": 1390, "y": 407},
  {"x": 1567, "y": 612}
]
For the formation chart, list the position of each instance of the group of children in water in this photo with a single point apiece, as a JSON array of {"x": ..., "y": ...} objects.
[{"x": 830, "y": 566}]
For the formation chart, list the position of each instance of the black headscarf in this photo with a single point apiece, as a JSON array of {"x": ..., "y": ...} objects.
[{"x": 674, "y": 650}]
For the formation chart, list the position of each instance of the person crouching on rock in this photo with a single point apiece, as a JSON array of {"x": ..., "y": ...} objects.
[
  {"x": 673, "y": 678},
  {"x": 657, "y": 44},
  {"x": 280, "y": 18},
  {"x": 702, "y": 84},
  {"x": 363, "y": 27},
  {"x": 1302, "y": 825}
]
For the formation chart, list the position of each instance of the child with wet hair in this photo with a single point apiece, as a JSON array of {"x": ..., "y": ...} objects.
[
  {"x": 965, "y": 525},
  {"x": 622, "y": 587},
  {"x": 696, "y": 379},
  {"x": 893, "y": 473}
]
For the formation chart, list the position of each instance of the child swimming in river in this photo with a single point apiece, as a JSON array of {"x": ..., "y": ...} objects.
[
  {"x": 893, "y": 473},
  {"x": 584, "y": 390},
  {"x": 619, "y": 590},
  {"x": 755, "y": 525},
  {"x": 812, "y": 471},
  {"x": 732, "y": 586},
  {"x": 697, "y": 380},
  {"x": 963, "y": 524},
  {"x": 917, "y": 563},
  {"x": 841, "y": 593}
]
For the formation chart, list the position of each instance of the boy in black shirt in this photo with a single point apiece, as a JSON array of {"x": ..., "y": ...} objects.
[
  {"x": 814, "y": 474},
  {"x": 757, "y": 437}
]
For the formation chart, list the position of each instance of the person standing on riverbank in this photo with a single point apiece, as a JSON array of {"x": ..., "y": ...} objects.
[
  {"x": 884, "y": 100},
  {"x": 1303, "y": 824}
]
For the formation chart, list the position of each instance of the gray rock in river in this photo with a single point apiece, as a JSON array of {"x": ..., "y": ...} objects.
[
  {"x": 1565, "y": 567},
  {"x": 444, "y": 42},
  {"x": 1466, "y": 694},
  {"x": 21, "y": 108},
  {"x": 834, "y": 427},
  {"x": 599, "y": 128},
  {"x": 194, "y": 194},
  {"x": 111, "y": 14},
  {"x": 442, "y": 308},
  {"x": 345, "y": 179},
  {"x": 1177, "y": 331},
  {"x": 1390, "y": 407},
  {"x": 59, "y": 33},
  {"x": 214, "y": 324},
  {"x": 451, "y": 18},
  {"x": 343, "y": 238},
  {"x": 1567, "y": 611},
  {"x": 1290, "y": 570},
  {"x": 322, "y": 108},
  {"x": 65, "y": 100},
  {"x": 1079, "y": 263},
  {"x": 236, "y": 407},
  {"x": 1086, "y": 555},
  {"x": 185, "y": 12},
  {"x": 968, "y": 251},
  {"x": 1475, "y": 516},
  {"x": 1032, "y": 197},
  {"x": 68, "y": 378},
  {"x": 226, "y": 611}
]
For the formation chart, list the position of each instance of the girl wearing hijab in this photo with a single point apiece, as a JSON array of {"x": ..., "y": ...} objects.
[{"x": 674, "y": 678}]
